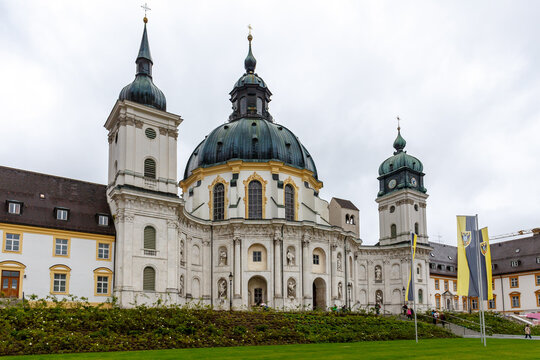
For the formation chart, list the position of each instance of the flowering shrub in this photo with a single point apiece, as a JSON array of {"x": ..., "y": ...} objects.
[{"x": 79, "y": 327}]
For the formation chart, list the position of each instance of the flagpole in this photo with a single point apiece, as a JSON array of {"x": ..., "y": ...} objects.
[
  {"x": 480, "y": 285},
  {"x": 413, "y": 289}
]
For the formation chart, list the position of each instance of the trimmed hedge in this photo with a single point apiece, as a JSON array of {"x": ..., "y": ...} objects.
[{"x": 41, "y": 329}]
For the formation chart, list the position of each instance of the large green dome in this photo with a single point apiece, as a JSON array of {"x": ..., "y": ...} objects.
[
  {"x": 251, "y": 140},
  {"x": 251, "y": 134}
]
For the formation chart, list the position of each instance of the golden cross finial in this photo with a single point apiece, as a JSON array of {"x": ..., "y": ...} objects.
[
  {"x": 398, "y": 119},
  {"x": 146, "y": 8},
  {"x": 250, "y": 28}
]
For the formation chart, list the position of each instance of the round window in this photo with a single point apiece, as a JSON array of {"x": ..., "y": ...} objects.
[
  {"x": 150, "y": 133},
  {"x": 392, "y": 209}
]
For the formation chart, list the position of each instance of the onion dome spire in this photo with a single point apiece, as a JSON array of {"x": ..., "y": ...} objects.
[
  {"x": 142, "y": 90},
  {"x": 250, "y": 63},
  {"x": 399, "y": 143}
]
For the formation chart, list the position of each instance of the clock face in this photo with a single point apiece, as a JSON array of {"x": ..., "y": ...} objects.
[
  {"x": 392, "y": 184},
  {"x": 413, "y": 181}
]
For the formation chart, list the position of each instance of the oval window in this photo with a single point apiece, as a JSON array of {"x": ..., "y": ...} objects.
[{"x": 150, "y": 133}]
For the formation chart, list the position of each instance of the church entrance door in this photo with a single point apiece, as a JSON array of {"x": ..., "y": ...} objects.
[
  {"x": 257, "y": 291},
  {"x": 319, "y": 294}
]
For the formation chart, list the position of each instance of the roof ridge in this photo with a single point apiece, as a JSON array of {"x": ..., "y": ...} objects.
[{"x": 50, "y": 175}]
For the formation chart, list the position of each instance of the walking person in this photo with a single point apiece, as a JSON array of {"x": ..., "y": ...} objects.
[{"x": 528, "y": 332}]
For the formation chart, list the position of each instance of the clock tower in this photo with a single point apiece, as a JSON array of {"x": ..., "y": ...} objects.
[{"x": 402, "y": 197}]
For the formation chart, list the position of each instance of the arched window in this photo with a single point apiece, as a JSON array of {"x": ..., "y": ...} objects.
[
  {"x": 149, "y": 279},
  {"x": 149, "y": 168},
  {"x": 289, "y": 202},
  {"x": 219, "y": 201},
  {"x": 255, "y": 200},
  {"x": 352, "y": 219},
  {"x": 416, "y": 228},
  {"x": 393, "y": 230},
  {"x": 347, "y": 219},
  {"x": 150, "y": 238}
]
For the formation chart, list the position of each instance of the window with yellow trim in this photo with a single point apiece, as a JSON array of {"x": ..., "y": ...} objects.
[
  {"x": 436, "y": 284},
  {"x": 537, "y": 293},
  {"x": 537, "y": 279},
  {"x": 445, "y": 285},
  {"x": 455, "y": 285},
  {"x": 290, "y": 199},
  {"x": 437, "y": 301},
  {"x": 255, "y": 199},
  {"x": 515, "y": 299},
  {"x": 218, "y": 200},
  {"x": 61, "y": 246},
  {"x": 474, "y": 303},
  {"x": 514, "y": 282},
  {"x": 12, "y": 242},
  {"x": 60, "y": 279},
  {"x": 102, "y": 282},
  {"x": 103, "y": 251},
  {"x": 492, "y": 304}
]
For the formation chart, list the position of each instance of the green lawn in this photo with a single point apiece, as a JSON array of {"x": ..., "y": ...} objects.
[{"x": 397, "y": 349}]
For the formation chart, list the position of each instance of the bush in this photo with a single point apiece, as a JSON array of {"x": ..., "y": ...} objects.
[{"x": 79, "y": 327}]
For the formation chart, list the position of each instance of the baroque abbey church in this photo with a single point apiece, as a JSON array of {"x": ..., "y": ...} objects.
[{"x": 247, "y": 228}]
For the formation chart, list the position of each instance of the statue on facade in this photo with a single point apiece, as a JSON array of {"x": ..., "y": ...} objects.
[
  {"x": 340, "y": 290},
  {"x": 182, "y": 250},
  {"x": 290, "y": 257},
  {"x": 181, "y": 285},
  {"x": 291, "y": 288},
  {"x": 222, "y": 289},
  {"x": 378, "y": 273},
  {"x": 222, "y": 257},
  {"x": 378, "y": 297}
]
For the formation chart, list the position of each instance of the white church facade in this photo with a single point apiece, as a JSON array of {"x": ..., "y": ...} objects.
[{"x": 248, "y": 228}]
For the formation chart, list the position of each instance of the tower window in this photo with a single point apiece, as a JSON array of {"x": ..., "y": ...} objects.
[
  {"x": 149, "y": 279},
  {"x": 347, "y": 219},
  {"x": 149, "y": 238},
  {"x": 255, "y": 200},
  {"x": 289, "y": 202},
  {"x": 416, "y": 228},
  {"x": 351, "y": 220},
  {"x": 150, "y": 168},
  {"x": 416, "y": 207},
  {"x": 150, "y": 133},
  {"x": 257, "y": 256},
  {"x": 219, "y": 201},
  {"x": 393, "y": 230},
  {"x": 392, "y": 209}
]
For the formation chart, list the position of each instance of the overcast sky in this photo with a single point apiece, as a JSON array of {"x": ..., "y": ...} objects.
[{"x": 463, "y": 76}]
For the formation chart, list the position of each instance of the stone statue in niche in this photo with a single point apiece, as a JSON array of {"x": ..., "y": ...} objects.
[
  {"x": 290, "y": 256},
  {"x": 291, "y": 288},
  {"x": 181, "y": 285},
  {"x": 339, "y": 262},
  {"x": 378, "y": 297},
  {"x": 340, "y": 290},
  {"x": 222, "y": 289},
  {"x": 222, "y": 256},
  {"x": 378, "y": 273},
  {"x": 182, "y": 250}
]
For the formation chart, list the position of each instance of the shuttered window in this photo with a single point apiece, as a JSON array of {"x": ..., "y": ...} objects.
[
  {"x": 289, "y": 202},
  {"x": 149, "y": 279},
  {"x": 150, "y": 168},
  {"x": 219, "y": 202},
  {"x": 255, "y": 200},
  {"x": 150, "y": 238}
]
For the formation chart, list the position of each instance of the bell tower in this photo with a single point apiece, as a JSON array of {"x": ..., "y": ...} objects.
[
  {"x": 142, "y": 187},
  {"x": 402, "y": 197}
]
